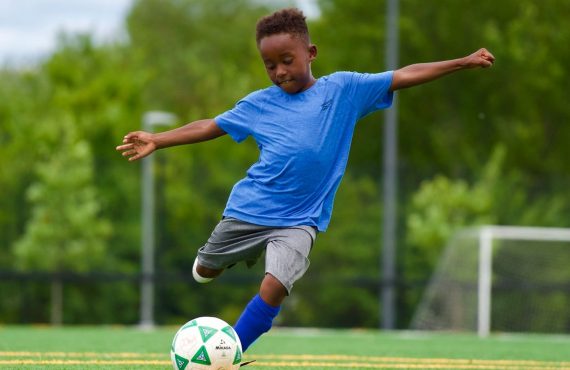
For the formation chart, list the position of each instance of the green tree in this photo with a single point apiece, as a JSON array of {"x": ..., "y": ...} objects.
[
  {"x": 100, "y": 87},
  {"x": 65, "y": 232},
  {"x": 196, "y": 58},
  {"x": 439, "y": 208},
  {"x": 18, "y": 127}
]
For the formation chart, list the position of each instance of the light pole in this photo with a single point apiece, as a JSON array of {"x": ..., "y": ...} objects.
[
  {"x": 150, "y": 120},
  {"x": 388, "y": 262}
]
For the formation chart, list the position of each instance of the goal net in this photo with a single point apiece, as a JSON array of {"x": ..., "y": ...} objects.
[{"x": 500, "y": 278}]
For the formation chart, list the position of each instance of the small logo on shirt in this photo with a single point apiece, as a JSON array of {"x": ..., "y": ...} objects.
[{"x": 326, "y": 105}]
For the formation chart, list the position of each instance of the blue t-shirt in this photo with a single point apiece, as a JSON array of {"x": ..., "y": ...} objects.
[{"x": 304, "y": 141}]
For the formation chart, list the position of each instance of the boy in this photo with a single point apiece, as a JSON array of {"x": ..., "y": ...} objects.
[{"x": 303, "y": 127}]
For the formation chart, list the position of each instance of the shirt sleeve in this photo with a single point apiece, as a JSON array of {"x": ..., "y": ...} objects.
[
  {"x": 371, "y": 91},
  {"x": 238, "y": 122}
]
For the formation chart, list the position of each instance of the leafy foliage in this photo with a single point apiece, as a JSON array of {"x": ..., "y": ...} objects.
[
  {"x": 64, "y": 231},
  {"x": 475, "y": 147}
]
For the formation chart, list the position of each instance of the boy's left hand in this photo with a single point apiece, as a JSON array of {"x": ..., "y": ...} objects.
[{"x": 480, "y": 58}]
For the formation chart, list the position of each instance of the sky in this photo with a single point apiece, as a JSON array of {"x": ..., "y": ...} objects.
[{"x": 29, "y": 28}]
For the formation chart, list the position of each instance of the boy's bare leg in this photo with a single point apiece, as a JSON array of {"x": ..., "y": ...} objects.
[
  {"x": 272, "y": 291},
  {"x": 208, "y": 272}
]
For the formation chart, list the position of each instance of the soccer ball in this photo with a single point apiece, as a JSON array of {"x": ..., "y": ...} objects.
[{"x": 206, "y": 343}]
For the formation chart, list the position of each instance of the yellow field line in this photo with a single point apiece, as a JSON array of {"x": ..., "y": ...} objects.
[
  {"x": 294, "y": 364},
  {"x": 313, "y": 361},
  {"x": 410, "y": 365},
  {"x": 84, "y": 362},
  {"x": 410, "y": 359},
  {"x": 82, "y": 354}
]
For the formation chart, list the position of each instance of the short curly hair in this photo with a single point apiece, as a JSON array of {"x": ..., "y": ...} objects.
[{"x": 290, "y": 20}]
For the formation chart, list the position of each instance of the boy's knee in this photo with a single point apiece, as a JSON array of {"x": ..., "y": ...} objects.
[
  {"x": 272, "y": 291},
  {"x": 204, "y": 274}
]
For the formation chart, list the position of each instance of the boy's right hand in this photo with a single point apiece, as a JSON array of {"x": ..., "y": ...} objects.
[{"x": 137, "y": 145}]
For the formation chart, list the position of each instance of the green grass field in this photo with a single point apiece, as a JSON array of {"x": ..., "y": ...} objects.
[{"x": 129, "y": 348}]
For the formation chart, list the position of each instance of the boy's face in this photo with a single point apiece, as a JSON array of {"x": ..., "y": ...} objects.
[{"x": 287, "y": 60}]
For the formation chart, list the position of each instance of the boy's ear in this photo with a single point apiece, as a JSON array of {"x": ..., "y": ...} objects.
[{"x": 312, "y": 52}]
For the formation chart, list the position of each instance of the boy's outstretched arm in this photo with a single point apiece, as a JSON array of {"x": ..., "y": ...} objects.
[
  {"x": 139, "y": 144},
  {"x": 416, "y": 74}
]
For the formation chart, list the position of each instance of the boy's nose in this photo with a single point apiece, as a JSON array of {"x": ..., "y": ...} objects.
[{"x": 280, "y": 71}]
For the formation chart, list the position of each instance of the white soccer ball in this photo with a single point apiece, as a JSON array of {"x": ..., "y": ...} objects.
[{"x": 206, "y": 343}]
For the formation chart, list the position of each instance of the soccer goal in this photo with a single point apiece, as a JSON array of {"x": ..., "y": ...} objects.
[{"x": 502, "y": 279}]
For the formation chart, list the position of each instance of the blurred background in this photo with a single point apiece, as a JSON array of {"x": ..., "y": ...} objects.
[{"x": 475, "y": 148}]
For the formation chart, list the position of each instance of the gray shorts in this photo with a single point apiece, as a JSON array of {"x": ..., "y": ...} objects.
[{"x": 286, "y": 248}]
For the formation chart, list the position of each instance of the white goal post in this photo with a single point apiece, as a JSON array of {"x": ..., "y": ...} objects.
[{"x": 464, "y": 278}]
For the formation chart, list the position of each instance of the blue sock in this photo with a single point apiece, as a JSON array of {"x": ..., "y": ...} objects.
[{"x": 256, "y": 319}]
